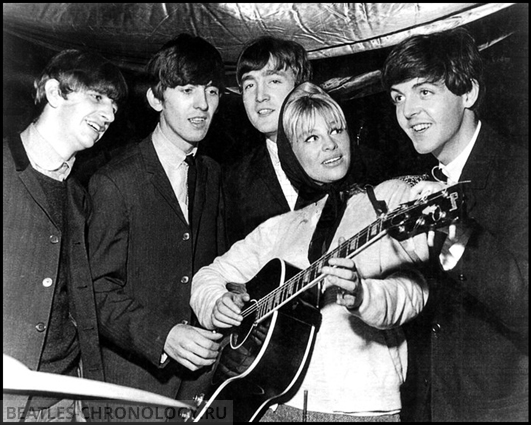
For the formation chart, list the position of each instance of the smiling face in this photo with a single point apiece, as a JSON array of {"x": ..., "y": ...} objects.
[
  {"x": 323, "y": 150},
  {"x": 186, "y": 113},
  {"x": 84, "y": 116},
  {"x": 436, "y": 120},
  {"x": 263, "y": 93}
]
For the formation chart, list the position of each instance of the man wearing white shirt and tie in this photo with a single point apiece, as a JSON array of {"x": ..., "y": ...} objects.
[
  {"x": 156, "y": 221},
  {"x": 469, "y": 349}
]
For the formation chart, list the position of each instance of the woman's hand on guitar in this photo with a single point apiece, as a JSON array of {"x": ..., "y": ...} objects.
[
  {"x": 227, "y": 310},
  {"x": 343, "y": 274}
]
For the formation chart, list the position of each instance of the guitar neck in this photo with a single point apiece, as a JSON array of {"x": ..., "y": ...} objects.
[{"x": 313, "y": 275}]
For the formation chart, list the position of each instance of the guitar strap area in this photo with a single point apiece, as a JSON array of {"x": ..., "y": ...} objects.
[{"x": 380, "y": 207}]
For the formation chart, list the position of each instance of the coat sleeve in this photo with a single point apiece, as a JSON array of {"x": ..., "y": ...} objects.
[{"x": 123, "y": 319}]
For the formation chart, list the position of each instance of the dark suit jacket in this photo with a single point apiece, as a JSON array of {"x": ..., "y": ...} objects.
[
  {"x": 477, "y": 315},
  {"x": 31, "y": 250},
  {"x": 252, "y": 193},
  {"x": 143, "y": 255}
]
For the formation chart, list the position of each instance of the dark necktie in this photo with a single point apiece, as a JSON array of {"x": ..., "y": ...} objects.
[
  {"x": 439, "y": 175},
  {"x": 192, "y": 178}
]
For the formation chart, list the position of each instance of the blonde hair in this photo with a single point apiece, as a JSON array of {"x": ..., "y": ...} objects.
[{"x": 303, "y": 105}]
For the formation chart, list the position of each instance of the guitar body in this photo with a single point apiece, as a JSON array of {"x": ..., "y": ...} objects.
[{"x": 259, "y": 364}]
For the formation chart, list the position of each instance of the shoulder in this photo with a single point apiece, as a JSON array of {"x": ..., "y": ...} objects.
[
  {"x": 126, "y": 161},
  {"x": 248, "y": 162}
]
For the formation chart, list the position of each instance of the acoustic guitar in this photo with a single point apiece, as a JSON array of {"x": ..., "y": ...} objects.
[{"x": 262, "y": 360}]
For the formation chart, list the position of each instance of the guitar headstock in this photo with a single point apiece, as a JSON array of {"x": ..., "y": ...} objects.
[{"x": 434, "y": 211}]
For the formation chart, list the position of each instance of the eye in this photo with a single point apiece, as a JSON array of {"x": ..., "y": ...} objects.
[
  {"x": 311, "y": 139},
  {"x": 337, "y": 130},
  {"x": 213, "y": 91},
  {"x": 97, "y": 97},
  {"x": 247, "y": 86},
  {"x": 425, "y": 92},
  {"x": 397, "y": 98}
]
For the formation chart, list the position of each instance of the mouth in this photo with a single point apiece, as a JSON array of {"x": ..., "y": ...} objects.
[
  {"x": 420, "y": 128},
  {"x": 333, "y": 161},
  {"x": 264, "y": 112},
  {"x": 96, "y": 127},
  {"x": 198, "y": 121}
]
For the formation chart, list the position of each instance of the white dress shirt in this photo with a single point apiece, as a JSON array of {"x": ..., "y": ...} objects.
[
  {"x": 287, "y": 188},
  {"x": 172, "y": 160}
]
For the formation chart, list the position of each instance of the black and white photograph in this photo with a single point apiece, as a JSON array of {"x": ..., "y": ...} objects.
[{"x": 265, "y": 212}]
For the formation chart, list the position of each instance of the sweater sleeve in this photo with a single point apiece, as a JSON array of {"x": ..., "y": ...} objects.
[
  {"x": 394, "y": 290},
  {"x": 238, "y": 265}
]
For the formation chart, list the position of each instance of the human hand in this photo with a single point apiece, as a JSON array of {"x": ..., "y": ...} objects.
[
  {"x": 192, "y": 347},
  {"x": 425, "y": 188},
  {"x": 227, "y": 310},
  {"x": 342, "y": 273}
]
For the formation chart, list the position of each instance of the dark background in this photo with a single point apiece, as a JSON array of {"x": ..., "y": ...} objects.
[{"x": 386, "y": 150}]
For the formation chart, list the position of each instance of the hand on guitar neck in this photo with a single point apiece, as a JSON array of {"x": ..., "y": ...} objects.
[
  {"x": 425, "y": 188},
  {"x": 342, "y": 273}
]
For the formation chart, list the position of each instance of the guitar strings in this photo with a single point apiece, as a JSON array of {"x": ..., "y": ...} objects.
[{"x": 282, "y": 288}]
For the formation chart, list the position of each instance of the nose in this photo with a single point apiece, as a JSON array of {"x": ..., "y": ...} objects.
[
  {"x": 261, "y": 92},
  {"x": 329, "y": 143},
  {"x": 200, "y": 100},
  {"x": 410, "y": 107},
  {"x": 108, "y": 111}
]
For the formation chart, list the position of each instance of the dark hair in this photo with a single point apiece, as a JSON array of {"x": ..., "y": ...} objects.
[
  {"x": 450, "y": 56},
  {"x": 287, "y": 54},
  {"x": 78, "y": 70},
  {"x": 185, "y": 60}
]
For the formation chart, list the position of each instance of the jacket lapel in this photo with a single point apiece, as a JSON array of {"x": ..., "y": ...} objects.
[
  {"x": 479, "y": 165},
  {"x": 199, "y": 196},
  {"x": 158, "y": 177},
  {"x": 27, "y": 177},
  {"x": 265, "y": 172}
]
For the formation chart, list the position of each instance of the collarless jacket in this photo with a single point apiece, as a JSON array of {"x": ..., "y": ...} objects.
[
  {"x": 144, "y": 254},
  {"x": 253, "y": 193},
  {"x": 31, "y": 257}
]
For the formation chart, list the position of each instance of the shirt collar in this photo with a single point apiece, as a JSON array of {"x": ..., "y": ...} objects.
[
  {"x": 272, "y": 148},
  {"x": 454, "y": 169},
  {"x": 168, "y": 152},
  {"x": 43, "y": 156}
]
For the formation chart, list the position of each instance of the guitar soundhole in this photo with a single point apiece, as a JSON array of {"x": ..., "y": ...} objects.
[{"x": 235, "y": 361}]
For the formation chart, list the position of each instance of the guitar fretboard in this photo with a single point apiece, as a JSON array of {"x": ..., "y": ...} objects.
[{"x": 311, "y": 276}]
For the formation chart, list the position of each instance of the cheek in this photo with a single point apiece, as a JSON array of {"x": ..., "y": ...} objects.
[{"x": 213, "y": 103}]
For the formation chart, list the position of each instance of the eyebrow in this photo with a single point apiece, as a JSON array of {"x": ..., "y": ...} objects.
[
  {"x": 268, "y": 73},
  {"x": 393, "y": 89}
]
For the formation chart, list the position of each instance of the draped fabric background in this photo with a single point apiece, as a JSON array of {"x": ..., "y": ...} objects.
[{"x": 347, "y": 43}]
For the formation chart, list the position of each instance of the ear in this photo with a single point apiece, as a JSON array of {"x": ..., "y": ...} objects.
[
  {"x": 153, "y": 101},
  {"x": 471, "y": 96},
  {"x": 53, "y": 93}
]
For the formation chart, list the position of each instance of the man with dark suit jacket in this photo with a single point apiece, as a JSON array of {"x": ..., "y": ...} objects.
[
  {"x": 49, "y": 311},
  {"x": 256, "y": 187},
  {"x": 470, "y": 345},
  {"x": 158, "y": 219}
]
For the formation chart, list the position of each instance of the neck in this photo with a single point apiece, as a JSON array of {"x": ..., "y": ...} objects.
[
  {"x": 459, "y": 141},
  {"x": 50, "y": 132}
]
